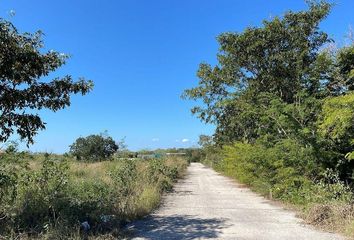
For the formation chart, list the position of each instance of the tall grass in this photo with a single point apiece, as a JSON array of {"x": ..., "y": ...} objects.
[{"x": 50, "y": 196}]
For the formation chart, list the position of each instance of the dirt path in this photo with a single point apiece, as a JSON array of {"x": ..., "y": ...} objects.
[{"x": 206, "y": 205}]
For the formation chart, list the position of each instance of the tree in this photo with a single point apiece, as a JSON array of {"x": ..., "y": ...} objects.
[
  {"x": 345, "y": 59},
  {"x": 278, "y": 61},
  {"x": 94, "y": 147},
  {"x": 23, "y": 63},
  {"x": 205, "y": 141}
]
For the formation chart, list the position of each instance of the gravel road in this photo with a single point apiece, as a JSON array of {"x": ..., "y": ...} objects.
[{"x": 206, "y": 205}]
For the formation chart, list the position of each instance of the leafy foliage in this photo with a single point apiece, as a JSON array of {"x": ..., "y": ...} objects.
[
  {"x": 40, "y": 195},
  {"x": 338, "y": 118},
  {"x": 279, "y": 58},
  {"x": 280, "y": 97},
  {"x": 336, "y": 125},
  {"x": 22, "y": 64},
  {"x": 94, "y": 147}
]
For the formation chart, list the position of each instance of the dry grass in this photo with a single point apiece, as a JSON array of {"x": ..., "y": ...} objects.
[
  {"x": 90, "y": 183},
  {"x": 147, "y": 201},
  {"x": 334, "y": 217},
  {"x": 97, "y": 170}
]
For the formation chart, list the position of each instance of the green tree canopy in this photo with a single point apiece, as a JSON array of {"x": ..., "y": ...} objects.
[
  {"x": 94, "y": 147},
  {"x": 337, "y": 123},
  {"x": 263, "y": 69},
  {"x": 23, "y": 63}
]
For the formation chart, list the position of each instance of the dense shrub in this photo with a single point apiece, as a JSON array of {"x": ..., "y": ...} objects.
[
  {"x": 286, "y": 171},
  {"x": 195, "y": 154},
  {"x": 12, "y": 164},
  {"x": 41, "y": 195}
]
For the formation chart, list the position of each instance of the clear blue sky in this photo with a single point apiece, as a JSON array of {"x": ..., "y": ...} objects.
[{"x": 141, "y": 55}]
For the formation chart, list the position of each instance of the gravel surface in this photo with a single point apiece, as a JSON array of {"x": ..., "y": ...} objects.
[{"x": 206, "y": 205}]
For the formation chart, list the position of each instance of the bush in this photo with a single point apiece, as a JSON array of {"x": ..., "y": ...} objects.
[
  {"x": 162, "y": 174},
  {"x": 41, "y": 195},
  {"x": 12, "y": 164},
  {"x": 195, "y": 154},
  {"x": 284, "y": 171}
]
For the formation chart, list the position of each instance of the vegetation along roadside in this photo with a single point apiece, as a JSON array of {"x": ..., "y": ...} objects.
[
  {"x": 45, "y": 196},
  {"x": 281, "y": 97}
]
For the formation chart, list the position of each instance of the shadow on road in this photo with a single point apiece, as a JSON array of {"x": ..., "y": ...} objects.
[{"x": 177, "y": 227}]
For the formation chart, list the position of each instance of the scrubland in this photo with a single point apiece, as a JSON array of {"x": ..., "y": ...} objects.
[{"x": 44, "y": 196}]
